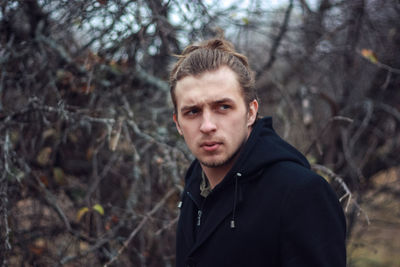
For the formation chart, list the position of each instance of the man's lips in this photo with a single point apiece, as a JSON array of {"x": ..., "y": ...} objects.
[{"x": 210, "y": 146}]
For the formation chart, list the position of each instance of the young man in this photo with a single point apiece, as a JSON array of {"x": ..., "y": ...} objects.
[{"x": 250, "y": 198}]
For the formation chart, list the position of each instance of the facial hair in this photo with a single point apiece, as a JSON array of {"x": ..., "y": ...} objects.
[{"x": 228, "y": 160}]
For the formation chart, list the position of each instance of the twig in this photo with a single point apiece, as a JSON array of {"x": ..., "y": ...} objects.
[
  {"x": 169, "y": 225},
  {"x": 4, "y": 201},
  {"x": 382, "y": 65},
  {"x": 305, "y": 6},
  {"x": 63, "y": 54},
  {"x": 277, "y": 41},
  {"x": 93, "y": 248},
  {"x": 3, "y": 74},
  {"x": 65, "y": 114},
  {"x": 389, "y": 109},
  {"x": 60, "y": 50},
  {"x": 286, "y": 97},
  {"x": 99, "y": 177},
  {"x": 369, "y": 111},
  {"x": 74, "y": 116},
  {"x": 52, "y": 201},
  {"x": 326, "y": 127},
  {"x": 347, "y": 152},
  {"x": 141, "y": 224},
  {"x": 151, "y": 79}
]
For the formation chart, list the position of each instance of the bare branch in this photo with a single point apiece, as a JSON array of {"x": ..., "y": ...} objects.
[
  {"x": 159, "y": 205},
  {"x": 381, "y": 65},
  {"x": 277, "y": 41},
  {"x": 325, "y": 128},
  {"x": 348, "y": 194},
  {"x": 5, "y": 229},
  {"x": 389, "y": 109},
  {"x": 151, "y": 79}
]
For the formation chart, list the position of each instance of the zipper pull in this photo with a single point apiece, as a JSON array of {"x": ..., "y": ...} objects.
[{"x": 198, "y": 217}]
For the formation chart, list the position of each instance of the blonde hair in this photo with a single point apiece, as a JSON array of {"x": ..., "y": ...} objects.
[{"x": 209, "y": 56}]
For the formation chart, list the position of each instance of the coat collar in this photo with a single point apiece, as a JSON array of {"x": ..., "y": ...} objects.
[{"x": 217, "y": 206}]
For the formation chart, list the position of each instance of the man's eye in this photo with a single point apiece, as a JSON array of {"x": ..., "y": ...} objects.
[
  {"x": 224, "y": 107},
  {"x": 192, "y": 112}
]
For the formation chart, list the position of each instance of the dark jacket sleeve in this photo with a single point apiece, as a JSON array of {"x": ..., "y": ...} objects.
[{"x": 313, "y": 226}]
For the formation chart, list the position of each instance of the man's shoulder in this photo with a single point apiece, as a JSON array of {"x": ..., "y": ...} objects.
[
  {"x": 291, "y": 174},
  {"x": 295, "y": 184}
]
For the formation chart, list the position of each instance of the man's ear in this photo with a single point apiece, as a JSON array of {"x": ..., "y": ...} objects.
[
  {"x": 177, "y": 124},
  {"x": 253, "y": 111}
]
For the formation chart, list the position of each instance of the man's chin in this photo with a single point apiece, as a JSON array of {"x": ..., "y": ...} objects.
[
  {"x": 221, "y": 162},
  {"x": 216, "y": 163}
]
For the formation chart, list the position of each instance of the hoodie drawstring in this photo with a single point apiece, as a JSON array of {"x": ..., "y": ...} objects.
[{"x": 235, "y": 200}]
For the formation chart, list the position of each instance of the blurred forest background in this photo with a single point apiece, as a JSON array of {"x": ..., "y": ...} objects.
[{"x": 91, "y": 165}]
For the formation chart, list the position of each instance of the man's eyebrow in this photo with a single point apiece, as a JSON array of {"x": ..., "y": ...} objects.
[
  {"x": 215, "y": 102},
  {"x": 223, "y": 100},
  {"x": 185, "y": 108}
]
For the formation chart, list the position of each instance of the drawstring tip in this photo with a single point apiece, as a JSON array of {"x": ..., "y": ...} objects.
[
  {"x": 179, "y": 205},
  {"x": 232, "y": 224}
]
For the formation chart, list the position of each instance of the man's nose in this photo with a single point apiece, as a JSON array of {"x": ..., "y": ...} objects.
[{"x": 208, "y": 124}]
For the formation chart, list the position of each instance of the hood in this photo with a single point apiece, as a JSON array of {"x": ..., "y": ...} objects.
[{"x": 262, "y": 149}]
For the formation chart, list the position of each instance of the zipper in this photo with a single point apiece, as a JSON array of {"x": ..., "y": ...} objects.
[
  {"x": 199, "y": 207},
  {"x": 199, "y": 212}
]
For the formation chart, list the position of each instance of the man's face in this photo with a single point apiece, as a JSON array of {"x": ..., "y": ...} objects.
[{"x": 212, "y": 116}]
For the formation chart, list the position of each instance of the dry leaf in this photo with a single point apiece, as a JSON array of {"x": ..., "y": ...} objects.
[
  {"x": 89, "y": 153},
  {"x": 81, "y": 212},
  {"x": 59, "y": 176},
  {"x": 369, "y": 55},
  {"x": 44, "y": 156},
  {"x": 115, "y": 135},
  {"x": 44, "y": 180},
  {"x": 83, "y": 246},
  {"x": 48, "y": 133},
  {"x": 38, "y": 246}
]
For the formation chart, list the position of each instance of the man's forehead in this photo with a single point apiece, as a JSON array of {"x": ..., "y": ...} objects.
[
  {"x": 224, "y": 72},
  {"x": 208, "y": 88},
  {"x": 200, "y": 96}
]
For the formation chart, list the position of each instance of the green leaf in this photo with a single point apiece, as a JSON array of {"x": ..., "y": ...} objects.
[
  {"x": 98, "y": 208},
  {"x": 59, "y": 176}
]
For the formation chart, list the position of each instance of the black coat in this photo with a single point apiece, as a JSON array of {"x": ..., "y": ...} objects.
[{"x": 269, "y": 210}]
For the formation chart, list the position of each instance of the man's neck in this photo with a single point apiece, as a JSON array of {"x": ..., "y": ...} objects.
[{"x": 215, "y": 175}]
